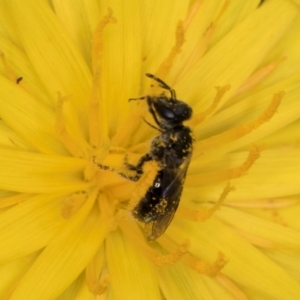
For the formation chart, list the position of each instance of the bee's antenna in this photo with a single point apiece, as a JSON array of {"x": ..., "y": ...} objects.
[{"x": 163, "y": 85}]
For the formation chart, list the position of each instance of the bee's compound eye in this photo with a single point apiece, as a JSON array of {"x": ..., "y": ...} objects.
[
  {"x": 165, "y": 112},
  {"x": 168, "y": 114}
]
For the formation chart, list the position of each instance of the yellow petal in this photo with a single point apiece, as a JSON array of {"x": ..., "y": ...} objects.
[
  {"x": 29, "y": 226},
  {"x": 270, "y": 233},
  {"x": 8, "y": 26},
  {"x": 288, "y": 135},
  {"x": 234, "y": 12},
  {"x": 64, "y": 258},
  {"x": 219, "y": 291},
  {"x": 289, "y": 260},
  {"x": 291, "y": 216},
  {"x": 237, "y": 55},
  {"x": 121, "y": 59},
  {"x": 77, "y": 290},
  {"x": 247, "y": 265},
  {"x": 36, "y": 173},
  {"x": 288, "y": 50},
  {"x": 126, "y": 264},
  {"x": 11, "y": 272},
  {"x": 249, "y": 109},
  {"x": 159, "y": 22},
  {"x": 20, "y": 64},
  {"x": 9, "y": 139},
  {"x": 79, "y": 19},
  {"x": 52, "y": 54},
  {"x": 29, "y": 118},
  {"x": 179, "y": 282},
  {"x": 274, "y": 174}
]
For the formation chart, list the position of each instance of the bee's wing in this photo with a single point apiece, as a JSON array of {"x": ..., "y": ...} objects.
[{"x": 172, "y": 185}]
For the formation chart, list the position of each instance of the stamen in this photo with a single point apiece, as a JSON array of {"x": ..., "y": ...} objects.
[
  {"x": 231, "y": 287},
  {"x": 101, "y": 286},
  {"x": 191, "y": 13},
  {"x": 240, "y": 131},
  {"x": 201, "y": 116},
  {"x": 107, "y": 207},
  {"x": 203, "y": 215},
  {"x": 89, "y": 171},
  {"x": 211, "y": 270},
  {"x": 96, "y": 286},
  {"x": 165, "y": 67},
  {"x": 172, "y": 258},
  {"x": 222, "y": 11},
  {"x": 240, "y": 171},
  {"x": 259, "y": 76},
  {"x": 257, "y": 241},
  {"x": 214, "y": 177},
  {"x": 12, "y": 76},
  {"x": 97, "y": 109},
  {"x": 97, "y": 39},
  {"x": 72, "y": 204},
  {"x": 94, "y": 112},
  {"x": 94, "y": 268},
  {"x": 14, "y": 199},
  {"x": 61, "y": 130}
]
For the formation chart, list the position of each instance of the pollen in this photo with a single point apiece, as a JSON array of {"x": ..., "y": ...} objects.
[
  {"x": 221, "y": 175},
  {"x": 201, "y": 116},
  {"x": 96, "y": 286},
  {"x": 210, "y": 270},
  {"x": 98, "y": 128},
  {"x": 150, "y": 171},
  {"x": 99, "y": 287},
  {"x": 203, "y": 215},
  {"x": 165, "y": 67},
  {"x": 242, "y": 130},
  {"x": 173, "y": 257},
  {"x": 72, "y": 204},
  {"x": 107, "y": 202}
]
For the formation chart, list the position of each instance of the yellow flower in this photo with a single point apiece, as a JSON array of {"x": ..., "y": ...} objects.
[{"x": 68, "y": 69}]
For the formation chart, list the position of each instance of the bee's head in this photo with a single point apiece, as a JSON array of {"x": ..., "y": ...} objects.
[{"x": 172, "y": 111}]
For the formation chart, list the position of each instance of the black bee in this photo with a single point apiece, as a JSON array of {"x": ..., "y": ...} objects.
[{"x": 172, "y": 150}]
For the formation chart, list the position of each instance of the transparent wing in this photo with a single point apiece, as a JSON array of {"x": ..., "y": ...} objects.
[{"x": 173, "y": 178}]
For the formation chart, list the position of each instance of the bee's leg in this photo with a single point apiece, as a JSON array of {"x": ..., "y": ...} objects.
[
  {"x": 131, "y": 174},
  {"x": 140, "y": 98},
  {"x": 152, "y": 112},
  {"x": 152, "y": 125},
  {"x": 138, "y": 167}
]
